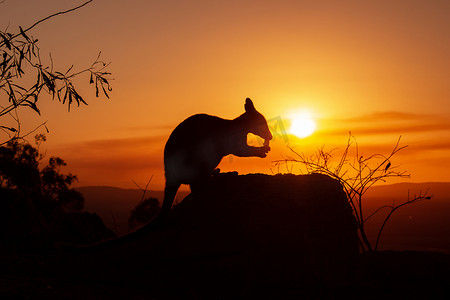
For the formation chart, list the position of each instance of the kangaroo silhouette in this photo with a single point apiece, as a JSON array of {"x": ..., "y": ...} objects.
[
  {"x": 198, "y": 144},
  {"x": 194, "y": 150}
]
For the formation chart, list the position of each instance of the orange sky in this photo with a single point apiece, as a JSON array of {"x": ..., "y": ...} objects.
[{"x": 380, "y": 69}]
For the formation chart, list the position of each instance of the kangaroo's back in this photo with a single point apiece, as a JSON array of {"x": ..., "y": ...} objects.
[
  {"x": 198, "y": 144},
  {"x": 195, "y": 148}
]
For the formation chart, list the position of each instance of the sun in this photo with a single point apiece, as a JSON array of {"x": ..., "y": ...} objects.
[{"x": 302, "y": 125}]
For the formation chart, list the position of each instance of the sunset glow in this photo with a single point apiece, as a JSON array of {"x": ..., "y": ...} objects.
[
  {"x": 224, "y": 149},
  {"x": 175, "y": 59},
  {"x": 302, "y": 125}
]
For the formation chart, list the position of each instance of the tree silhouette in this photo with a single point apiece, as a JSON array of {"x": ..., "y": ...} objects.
[
  {"x": 356, "y": 173},
  {"x": 19, "y": 51},
  {"x": 38, "y": 206},
  {"x": 20, "y": 174},
  {"x": 143, "y": 212}
]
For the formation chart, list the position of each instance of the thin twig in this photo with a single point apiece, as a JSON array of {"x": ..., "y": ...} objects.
[
  {"x": 143, "y": 190},
  {"x": 394, "y": 208},
  {"x": 356, "y": 176},
  {"x": 49, "y": 17}
]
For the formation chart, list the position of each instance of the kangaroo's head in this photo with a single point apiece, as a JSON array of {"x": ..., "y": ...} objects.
[{"x": 256, "y": 122}]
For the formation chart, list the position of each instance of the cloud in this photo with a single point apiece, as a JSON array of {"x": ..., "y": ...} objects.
[
  {"x": 121, "y": 153},
  {"x": 389, "y": 116},
  {"x": 389, "y": 122},
  {"x": 121, "y": 143},
  {"x": 386, "y": 129},
  {"x": 435, "y": 145},
  {"x": 114, "y": 161},
  {"x": 146, "y": 128},
  {"x": 117, "y": 162}
]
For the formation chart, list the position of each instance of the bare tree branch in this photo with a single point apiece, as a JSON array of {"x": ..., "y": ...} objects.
[
  {"x": 356, "y": 175},
  {"x": 143, "y": 190},
  {"x": 45, "y": 19}
]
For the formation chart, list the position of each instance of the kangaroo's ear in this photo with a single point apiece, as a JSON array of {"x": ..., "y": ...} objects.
[{"x": 249, "y": 105}]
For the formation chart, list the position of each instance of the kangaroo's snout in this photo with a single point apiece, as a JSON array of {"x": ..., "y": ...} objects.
[{"x": 264, "y": 132}]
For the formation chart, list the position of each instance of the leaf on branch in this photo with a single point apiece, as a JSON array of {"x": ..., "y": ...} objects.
[
  {"x": 38, "y": 82},
  {"x": 104, "y": 80},
  {"x": 69, "y": 70},
  {"x": 6, "y": 41},
  {"x": 77, "y": 97},
  {"x": 33, "y": 106},
  {"x": 5, "y": 61},
  {"x": 60, "y": 74},
  {"x": 70, "y": 98},
  {"x": 387, "y": 166},
  {"x": 80, "y": 99},
  {"x": 65, "y": 96},
  {"x": 12, "y": 129},
  {"x": 49, "y": 83},
  {"x": 19, "y": 68},
  {"x": 91, "y": 80},
  {"x": 11, "y": 94},
  {"x": 19, "y": 87},
  {"x": 104, "y": 91},
  {"x": 24, "y": 35},
  {"x": 33, "y": 47}
]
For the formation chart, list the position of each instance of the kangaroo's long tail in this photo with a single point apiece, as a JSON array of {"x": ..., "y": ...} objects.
[{"x": 170, "y": 192}]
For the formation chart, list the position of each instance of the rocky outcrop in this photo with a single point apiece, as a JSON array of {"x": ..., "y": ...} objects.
[{"x": 253, "y": 234}]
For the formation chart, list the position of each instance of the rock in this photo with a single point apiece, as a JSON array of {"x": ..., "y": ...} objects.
[{"x": 252, "y": 234}]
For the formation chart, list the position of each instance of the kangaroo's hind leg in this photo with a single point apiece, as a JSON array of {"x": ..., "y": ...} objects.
[
  {"x": 200, "y": 183},
  {"x": 170, "y": 192}
]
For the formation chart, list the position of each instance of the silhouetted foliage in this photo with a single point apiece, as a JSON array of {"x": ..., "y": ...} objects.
[
  {"x": 143, "y": 212},
  {"x": 20, "y": 51},
  {"x": 357, "y": 173},
  {"x": 36, "y": 203},
  {"x": 20, "y": 173}
]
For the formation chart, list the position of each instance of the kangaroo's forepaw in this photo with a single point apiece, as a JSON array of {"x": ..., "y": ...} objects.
[
  {"x": 266, "y": 146},
  {"x": 262, "y": 152}
]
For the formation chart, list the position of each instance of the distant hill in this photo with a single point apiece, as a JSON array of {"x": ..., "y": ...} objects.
[
  {"x": 423, "y": 226},
  {"x": 440, "y": 190},
  {"x": 114, "y": 205}
]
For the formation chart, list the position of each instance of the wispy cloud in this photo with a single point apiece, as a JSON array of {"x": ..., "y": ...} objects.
[
  {"x": 118, "y": 161},
  {"x": 115, "y": 161},
  {"x": 386, "y": 129},
  {"x": 110, "y": 144},
  {"x": 135, "y": 152},
  {"x": 435, "y": 145},
  {"x": 389, "y": 116},
  {"x": 145, "y": 128},
  {"x": 389, "y": 122}
]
